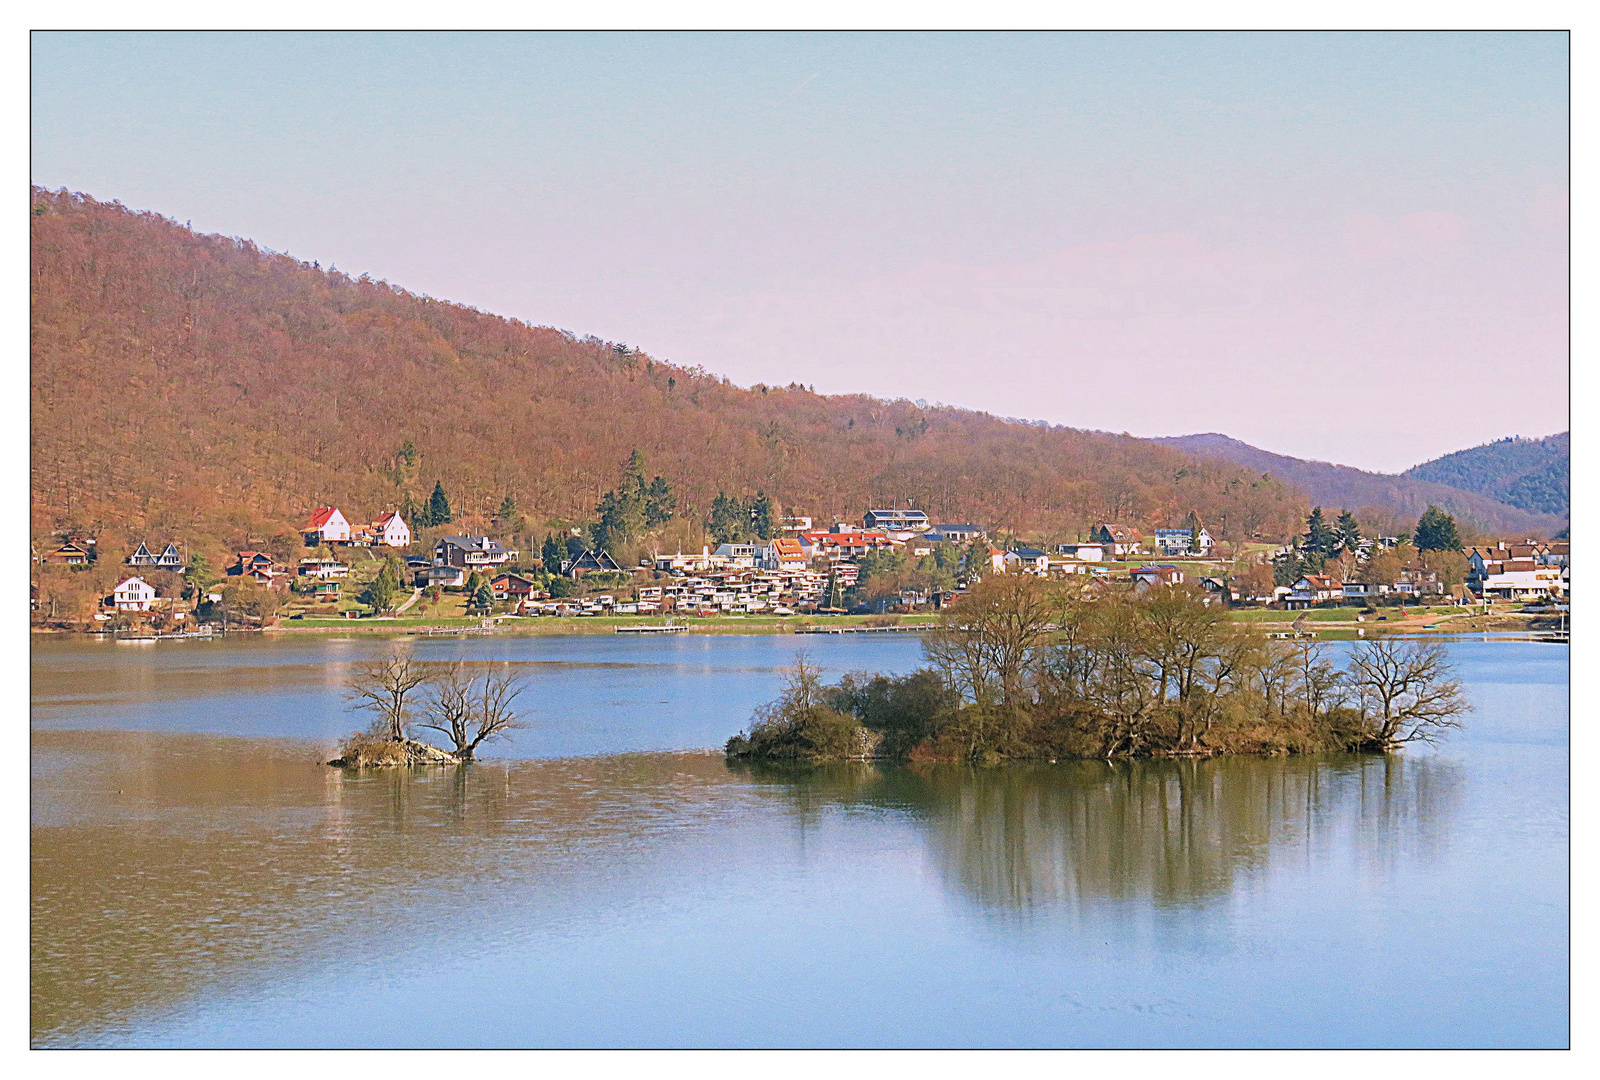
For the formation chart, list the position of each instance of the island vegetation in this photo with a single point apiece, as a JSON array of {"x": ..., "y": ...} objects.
[
  {"x": 468, "y": 704},
  {"x": 1023, "y": 668}
]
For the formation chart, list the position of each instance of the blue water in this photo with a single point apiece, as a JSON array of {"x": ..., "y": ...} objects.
[{"x": 191, "y": 890}]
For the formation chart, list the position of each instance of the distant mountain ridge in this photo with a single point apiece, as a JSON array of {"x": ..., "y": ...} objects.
[
  {"x": 1530, "y": 474},
  {"x": 1406, "y": 496}
]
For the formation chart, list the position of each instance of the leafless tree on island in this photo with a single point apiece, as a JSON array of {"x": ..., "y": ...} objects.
[
  {"x": 383, "y": 686},
  {"x": 472, "y": 706}
]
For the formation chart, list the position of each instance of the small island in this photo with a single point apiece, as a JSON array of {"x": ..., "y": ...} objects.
[
  {"x": 1027, "y": 669},
  {"x": 468, "y": 704}
]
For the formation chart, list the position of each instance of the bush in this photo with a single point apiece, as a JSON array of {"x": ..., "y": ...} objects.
[{"x": 801, "y": 727}]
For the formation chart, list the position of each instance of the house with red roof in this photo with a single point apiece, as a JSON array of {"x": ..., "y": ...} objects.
[
  {"x": 391, "y": 530},
  {"x": 326, "y": 526}
]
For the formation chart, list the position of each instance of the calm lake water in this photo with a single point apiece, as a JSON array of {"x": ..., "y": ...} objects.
[{"x": 199, "y": 878}]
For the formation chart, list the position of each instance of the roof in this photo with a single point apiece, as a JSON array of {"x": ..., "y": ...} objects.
[
  {"x": 787, "y": 545},
  {"x": 386, "y": 517},
  {"x": 1122, "y": 532},
  {"x": 1029, "y": 553},
  {"x": 131, "y": 580},
  {"x": 473, "y": 543},
  {"x": 321, "y": 517},
  {"x": 508, "y": 575}
]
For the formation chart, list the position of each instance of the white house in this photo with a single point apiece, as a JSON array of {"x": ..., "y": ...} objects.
[
  {"x": 1523, "y": 584},
  {"x": 134, "y": 594},
  {"x": 745, "y": 555},
  {"x": 1030, "y": 560},
  {"x": 326, "y": 526},
  {"x": 1083, "y": 552},
  {"x": 391, "y": 530}
]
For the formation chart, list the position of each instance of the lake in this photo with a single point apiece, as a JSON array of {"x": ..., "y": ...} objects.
[{"x": 200, "y": 878}]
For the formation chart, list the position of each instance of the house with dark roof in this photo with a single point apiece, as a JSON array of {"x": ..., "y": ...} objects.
[
  {"x": 1120, "y": 540},
  {"x": 590, "y": 561},
  {"x": 471, "y": 552}
]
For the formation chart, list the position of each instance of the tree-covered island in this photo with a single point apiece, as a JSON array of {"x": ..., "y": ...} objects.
[{"x": 1023, "y": 668}]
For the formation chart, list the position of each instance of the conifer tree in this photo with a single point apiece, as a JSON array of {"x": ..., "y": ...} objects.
[
  {"x": 439, "y": 506},
  {"x": 1436, "y": 531}
]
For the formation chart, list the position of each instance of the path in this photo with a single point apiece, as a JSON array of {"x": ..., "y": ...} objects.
[{"x": 415, "y": 594}]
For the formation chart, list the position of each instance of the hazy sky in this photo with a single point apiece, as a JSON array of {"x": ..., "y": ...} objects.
[{"x": 1343, "y": 246}]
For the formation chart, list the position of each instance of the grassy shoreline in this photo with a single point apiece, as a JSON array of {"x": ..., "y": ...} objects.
[{"x": 1331, "y": 624}]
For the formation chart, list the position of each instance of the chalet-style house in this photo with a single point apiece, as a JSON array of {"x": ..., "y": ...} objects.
[
  {"x": 896, "y": 520},
  {"x": 1120, "y": 540},
  {"x": 71, "y": 553},
  {"x": 471, "y": 552},
  {"x": 1313, "y": 589},
  {"x": 255, "y": 565},
  {"x": 319, "y": 566},
  {"x": 169, "y": 559},
  {"x": 133, "y": 594},
  {"x": 390, "y": 530},
  {"x": 591, "y": 561},
  {"x": 511, "y": 587},
  {"x": 326, "y": 526}
]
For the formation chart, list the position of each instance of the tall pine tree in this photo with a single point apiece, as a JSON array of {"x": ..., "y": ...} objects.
[{"x": 439, "y": 506}]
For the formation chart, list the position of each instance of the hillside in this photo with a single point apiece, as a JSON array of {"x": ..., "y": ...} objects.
[
  {"x": 199, "y": 388},
  {"x": 1531, "y": 474},
  {"x": 1399, "y": 499}
]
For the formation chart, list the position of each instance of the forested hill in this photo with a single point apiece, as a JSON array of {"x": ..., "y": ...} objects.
[
  {"x": 1402, "y": 498},
  {"x": 197, "y": 387},
  {"x": 1531, "y": 474}
]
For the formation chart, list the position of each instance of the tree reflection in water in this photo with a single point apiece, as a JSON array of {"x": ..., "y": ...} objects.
[{"x": 1173, "y": 832}]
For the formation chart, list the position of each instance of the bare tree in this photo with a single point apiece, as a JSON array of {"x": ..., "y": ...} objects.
[
  {"x": 1407, "y": 687},
  {"x": 383, "y": 686},
  {"x": 470, "y": 707}
]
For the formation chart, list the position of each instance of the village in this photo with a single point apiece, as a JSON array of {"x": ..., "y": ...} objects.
[{"x": 895, "y": 562}]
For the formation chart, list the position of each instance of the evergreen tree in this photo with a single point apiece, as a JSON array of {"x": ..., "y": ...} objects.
[
  {"x": 381, "y": 590},
  {"x": 761, "y": 517},
  {"x": 730, "y": 519},
  {"x": 659, "y": 503},
  {"x": 483, "y": 597},
  {"x": 1436, "y": 531},
  {"x": 439, "y": 506},
  {"x": 978, "y": 558},
  {"x": 1319, "y": 539},
  {"x": 1349, "y": 532},
  {"x": 475, "y": 580},
  {"x": 552, "y": 553},
  {"x": 574, "y": 546}
]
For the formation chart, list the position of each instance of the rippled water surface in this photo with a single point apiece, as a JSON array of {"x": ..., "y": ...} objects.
[{"x": 200, "y": 878}]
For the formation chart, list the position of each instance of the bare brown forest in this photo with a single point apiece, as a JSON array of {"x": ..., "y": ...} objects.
[{"x": 199, "y": 388}]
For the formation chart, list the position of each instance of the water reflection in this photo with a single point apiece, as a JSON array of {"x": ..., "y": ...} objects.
[
  {"x": 167, "y": 868},
  {"x": 1174, "y": 832}
]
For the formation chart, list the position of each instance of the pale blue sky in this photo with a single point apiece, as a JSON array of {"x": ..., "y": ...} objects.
[{"x": 1288, "y": 238}]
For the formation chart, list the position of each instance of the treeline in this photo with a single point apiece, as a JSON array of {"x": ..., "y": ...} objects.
[
  {"x": 198, "y": 387},
  {"x": 1026, "y": 669},
  {"x": 1532, "y": 474}
]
